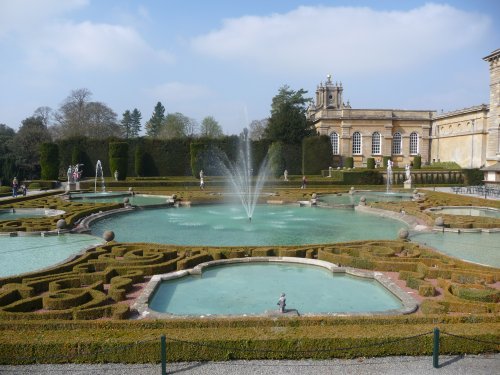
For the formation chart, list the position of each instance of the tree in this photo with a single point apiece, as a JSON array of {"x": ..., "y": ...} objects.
[
  {"x": 136, "y": 118},
  {"x": 126, "y": 124},
  {"x": 27, "y": 141},
  {"x": 46, "y": 114},
  {"x": 154, "y": 124},
  {"x": 176, "y": 125},
  {"x": 288, "y": 121},
  {"x": 257, "y": 129},
  {"x": 210, "y": 128},
  {"x": 7, "y": 160},
  {"x": 79, "y": 117}
]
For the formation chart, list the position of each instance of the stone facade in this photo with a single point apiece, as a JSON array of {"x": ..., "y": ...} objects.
[{"x": 470, "y": 137}]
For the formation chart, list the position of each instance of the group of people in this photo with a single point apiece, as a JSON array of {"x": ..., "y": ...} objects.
[{"x": 15, "y": 188}]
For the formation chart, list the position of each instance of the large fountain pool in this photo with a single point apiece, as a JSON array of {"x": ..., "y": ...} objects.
[
  {"x": 467, "y": 211},
  {"x": 255, "y": 288},
  {"x": 480, "y": 248},
  {"x": 29, "y": 253},
  {"x": 18, "y": 213},
  {"x": 228, "y": 225}
]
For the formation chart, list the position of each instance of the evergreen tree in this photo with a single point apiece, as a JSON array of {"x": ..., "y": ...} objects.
[
  {"x": 154, "y": 124},
  {"x": 288, "y": 121},
  {"x": 126, "y": 124},
  {"x": 136, "y": 118}
]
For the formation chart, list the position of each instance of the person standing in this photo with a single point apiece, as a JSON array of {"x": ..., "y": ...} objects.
[
  {"x": 15, "y": 186},
  {"x": 304, "y": 182}
]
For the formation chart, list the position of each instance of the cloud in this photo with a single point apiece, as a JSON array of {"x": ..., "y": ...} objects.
[
  {"x": 19, "y": 15},
  {"x": 88, "y": 45},
  {"x": 346, "y": 39}
]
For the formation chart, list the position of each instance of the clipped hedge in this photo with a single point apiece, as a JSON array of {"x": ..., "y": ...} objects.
[
  {"x": 49, "y": 161},
  {"x": 370, "y": 163},
  {"x": 118, "y": 159},
  {"x": 316, "y": 154},
  {"x": 349, "y": 162}
]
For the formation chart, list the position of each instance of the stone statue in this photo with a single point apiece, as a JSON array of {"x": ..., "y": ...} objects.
[
  {"x": 285, "y": 175},
  {"x": 408, "y": 173},
  {"x": 282, "y": 303},
  {"x": 70, "y": 174}
]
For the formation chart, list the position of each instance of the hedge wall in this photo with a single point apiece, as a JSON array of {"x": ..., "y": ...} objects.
[
  {"x": 473, "y": 176},
  {"x": 118, "y": 159},
  {"x": 49, "y": 161},
  {"x": 316, "y": 154}
]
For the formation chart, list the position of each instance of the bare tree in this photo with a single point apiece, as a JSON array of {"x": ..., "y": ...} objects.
[
  {"x": 258, "y": 128},
  {"x": 210, "y": 128}
]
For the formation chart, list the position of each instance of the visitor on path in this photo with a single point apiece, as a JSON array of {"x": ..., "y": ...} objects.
[
  {"x": 282, "y": 303},
  {"x": 304, "y": 182},
  {"x": 15, "y": 186},
  {"x": 24, "y": 189}
]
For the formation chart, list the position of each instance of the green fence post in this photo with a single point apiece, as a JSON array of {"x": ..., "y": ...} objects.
[
  {"x": 435, "y": 350},
  {"x": 163, "y": 355}
]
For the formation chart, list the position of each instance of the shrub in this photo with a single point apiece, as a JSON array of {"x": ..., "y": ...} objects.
[
  {"x": 139, "y": 161},
  {"x": 277, "y": 159},
  {"x": 118, "y": 159},
  {"x": 385, "y": 159},
  {"x": 417, "y": 162},
  {"x": 370, "y": 163},
  {"x": 349, "y": 162},
  {"x": 49, "y": 161}
]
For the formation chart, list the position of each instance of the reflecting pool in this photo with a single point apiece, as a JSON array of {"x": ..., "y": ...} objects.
[
  {"x": 371, "y": 196},
  {"x": 29, "y": 253},
  {"x": 480, "y": 248},
  {"x": 228, "y": 225},
  {"x": 19, "y": 213},
  {"x": 255, "y": 288},
  {"x": 117, "y": 197},
  {"x": 467, "y": 211}
]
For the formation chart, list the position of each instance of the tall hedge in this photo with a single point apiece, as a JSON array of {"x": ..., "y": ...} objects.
[
  {"x": 316, "y": 154},
  {"x": 473, "y": 176},
  {"x": 277, "y": 164},
  {"x": 118, "y": 159},
  {"x": 139, "y": 166},
  {"x": 49, "y": 161},
  {"x": 385, "y": 160},
  {"x": 79, "y": 156}
]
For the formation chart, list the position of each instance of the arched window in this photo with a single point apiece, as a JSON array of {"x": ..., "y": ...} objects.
[
  {"x": 397, "y": 143},
  {"x": 356, "y": 143},
  {"x": 376, "y": 142},
  {"x": 413, "y": 143},
  {"x": 334, "y": 138}
]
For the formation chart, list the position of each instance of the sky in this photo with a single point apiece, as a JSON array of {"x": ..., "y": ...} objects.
[{"x": 227, "y": 58}]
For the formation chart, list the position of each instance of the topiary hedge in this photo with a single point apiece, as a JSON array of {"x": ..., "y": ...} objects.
[
  {"x": 118, "y": 159},
  {"x": 49, "y": 161},
  {"x": 316, "y": 154},
  {"x": 370, "y": 163},
  {"x": 349, "y": 162}
]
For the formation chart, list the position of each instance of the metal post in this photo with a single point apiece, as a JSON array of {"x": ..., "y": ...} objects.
[
  {"x": 435, "y": 350},
  {"x": 163, "y": 355}
]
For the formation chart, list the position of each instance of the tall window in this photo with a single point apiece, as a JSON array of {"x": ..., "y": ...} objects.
[
  {"x": 413, "y": 143},
  {"x": 397, "y": 143},
  {"x": 356, "y": 143},
  {"x": 334, "y": 138},
  {"x": 376, "y": 143}
]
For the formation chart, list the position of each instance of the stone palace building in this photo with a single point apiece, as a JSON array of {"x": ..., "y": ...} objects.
[{"x": 470, "y": 136}]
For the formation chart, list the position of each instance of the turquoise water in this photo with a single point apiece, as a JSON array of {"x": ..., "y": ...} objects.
[
  {"x": 228, "y": 225},
  {"x": 29, "y": 253},
  {"x": 469, "y": 211},
  {"x": 255, "y": 288},
  {"x": 371, "y": 196},
  {"x": 117, "y": 197},
  {"x": 483, "y": 248},
  {"x": 8, "y": 214}
]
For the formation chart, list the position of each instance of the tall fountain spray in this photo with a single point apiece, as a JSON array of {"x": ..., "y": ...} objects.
[
  {"x": 99, "y": 172},
  {"x": 240, "y": 174},
  {"x": 389, "y": 176}
]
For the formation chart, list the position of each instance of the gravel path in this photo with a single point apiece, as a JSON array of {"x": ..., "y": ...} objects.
[{"x": 449, "y": 365}]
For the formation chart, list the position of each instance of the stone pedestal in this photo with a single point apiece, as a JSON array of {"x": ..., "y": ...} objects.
[
  {"x": 408, "y": 185},
  {"x": 71, "y": 186}
]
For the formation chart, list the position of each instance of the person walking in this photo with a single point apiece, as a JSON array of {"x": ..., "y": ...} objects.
[{"x": 15, "y": 186}]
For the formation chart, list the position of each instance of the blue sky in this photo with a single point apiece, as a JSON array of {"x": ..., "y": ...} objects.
[{"x": 227, "y": 59}]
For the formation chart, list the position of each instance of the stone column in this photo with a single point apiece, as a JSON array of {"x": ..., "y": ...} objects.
[{"x": 493, "y": 143}]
